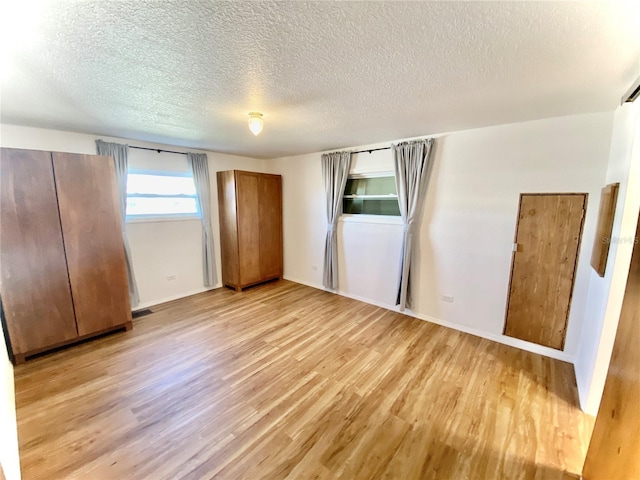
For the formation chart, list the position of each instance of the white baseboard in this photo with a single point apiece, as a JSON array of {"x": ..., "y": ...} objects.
[
  {"x": 151, "y": 303},
  {"x": 587, "y": 406},
  {"x": 308, "y": 284},
  {"x": 499, "y": 338}
]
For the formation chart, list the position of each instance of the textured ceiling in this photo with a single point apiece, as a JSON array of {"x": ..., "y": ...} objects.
[{"x": 325, "y": 74}]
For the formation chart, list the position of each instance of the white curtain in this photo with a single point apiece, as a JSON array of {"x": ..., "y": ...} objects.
[
  {"x": 411, "y": 160},
  {"x": 200, "y": 168},
  {"x": 120, "y": 155},
  {"x": 335, "y": 170}
]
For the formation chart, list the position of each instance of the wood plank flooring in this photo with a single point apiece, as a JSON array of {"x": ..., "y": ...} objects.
[{"x": 286, "y": 381}]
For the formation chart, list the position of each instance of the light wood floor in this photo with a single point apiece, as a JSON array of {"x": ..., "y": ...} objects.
[{"x": 286, "y": 381}]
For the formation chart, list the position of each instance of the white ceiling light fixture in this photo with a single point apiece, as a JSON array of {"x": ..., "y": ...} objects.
[{"x": 255, "y": 123}]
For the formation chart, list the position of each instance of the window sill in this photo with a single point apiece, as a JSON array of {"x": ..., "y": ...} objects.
[
  {"x": 161, "y": 218},
  {"x": 376, "y": 219}
]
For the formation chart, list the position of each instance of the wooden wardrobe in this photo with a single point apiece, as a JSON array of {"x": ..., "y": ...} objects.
[
  {"x": 250, "y": 207},
  {"x": 62, "y": 275}
]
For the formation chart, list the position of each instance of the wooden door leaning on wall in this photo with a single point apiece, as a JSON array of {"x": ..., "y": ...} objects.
[{"x": 543, "y": 267}]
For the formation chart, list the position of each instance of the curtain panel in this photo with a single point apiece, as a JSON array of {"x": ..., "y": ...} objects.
[
  {"x": 120, "y": 155},
  {"x": 200, "y": 168},
  {"x": 335, "y": 170},
  {"x": 412, "y": 166}
]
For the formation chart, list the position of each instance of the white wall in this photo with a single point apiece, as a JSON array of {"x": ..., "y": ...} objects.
[
  {"x": 606, "y": 294},
  {"x": 468, "y": 221},
  {"x": 159, "y": 248},
  {"x": 9, "y": 458}
]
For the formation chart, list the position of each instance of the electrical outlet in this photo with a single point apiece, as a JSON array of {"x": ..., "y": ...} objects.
[
  {"x": 314, "y": 268},
  {"x": 447, "y": 298},
  {"x": 170, "y": 278}
]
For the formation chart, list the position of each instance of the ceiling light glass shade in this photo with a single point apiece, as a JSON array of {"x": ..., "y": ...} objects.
[{"x": 255, "y": 122}]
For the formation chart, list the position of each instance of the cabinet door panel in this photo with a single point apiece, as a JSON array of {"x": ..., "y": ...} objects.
[
  {"x": 92, "y": 236},
  {"x": 270, "y": 226},
  {"x": 228, "y": 227},
  {"x": 248, "y": 226},
  {"x": 34, "y": 282}
]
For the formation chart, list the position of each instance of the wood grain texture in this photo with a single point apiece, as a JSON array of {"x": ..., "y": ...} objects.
[
  {"x": 602, "y": 241},
  {"x": 92, "y": 234},
  {"x": 543, "y": 267},
  {"x": 270, "y": 215},
  {"x": 248, "y": 205},
  {"x": 286, "y": 381},
  {"x": 227, "y": 214},
  {"x": 614, "y": 451},
  {"x": 34, "y": 282},
  {"x": 250, "y": 211}
]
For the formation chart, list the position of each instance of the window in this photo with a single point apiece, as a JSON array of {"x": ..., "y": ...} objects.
[
  {"x": 372, "y": 194},
  {"x": 153, "y": 195}
]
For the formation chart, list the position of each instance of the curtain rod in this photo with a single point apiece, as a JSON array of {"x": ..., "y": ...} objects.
[
  {"x": 371, "y": 150},
  {"x": 157, "y": 150},
  {"x": 385, "y": 148}
]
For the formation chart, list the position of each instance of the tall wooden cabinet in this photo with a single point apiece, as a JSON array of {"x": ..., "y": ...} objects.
[
  {"x": 250, "y": 208},
  {"x": 62, "y": 269}
]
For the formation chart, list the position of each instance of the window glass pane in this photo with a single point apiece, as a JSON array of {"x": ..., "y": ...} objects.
[
  {"x": 140, "y": 183},
  {"x": 352, "y": 186},
  {"x": 161, "y": 205},
  {"x": 350, "y": 205},
  {"x": 371, "y": 206},
  {"x": 381, "y": 186},
  {"x": 371, "y": 186},
  {"x": 381, "y": 207}
]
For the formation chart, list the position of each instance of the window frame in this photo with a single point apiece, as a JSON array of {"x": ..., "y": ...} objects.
[
  {"x": 370, "y": 216},
  {"x": 162, "y": 217}
]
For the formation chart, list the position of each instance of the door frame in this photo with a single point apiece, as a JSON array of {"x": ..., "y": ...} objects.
[{"x": 585, "y": 195}]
